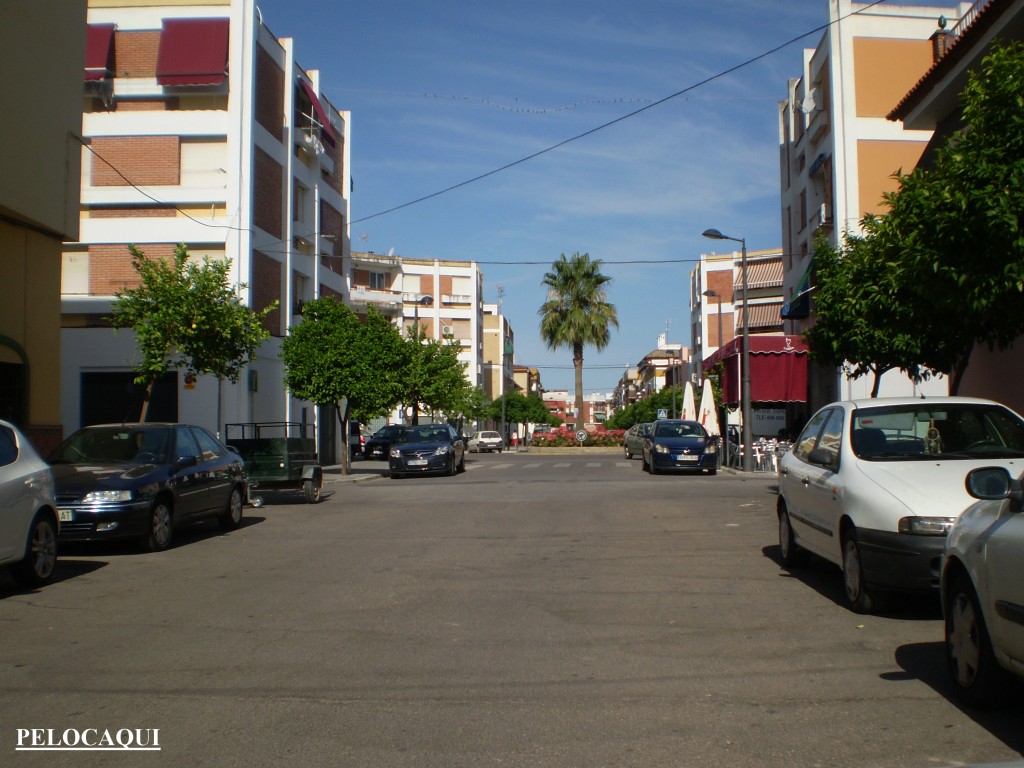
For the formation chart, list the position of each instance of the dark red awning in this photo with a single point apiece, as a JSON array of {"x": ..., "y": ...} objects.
[
  {"x": 778, "y": 369},
  {"x": 99, "y": 51},
  {"x": 321, "y": 114},
  {"x": 193, "y": 52}
]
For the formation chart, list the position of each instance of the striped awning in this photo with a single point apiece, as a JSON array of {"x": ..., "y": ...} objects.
[
  {"x": 760, "y": 274},
  {"x": 764, "y": 316}
]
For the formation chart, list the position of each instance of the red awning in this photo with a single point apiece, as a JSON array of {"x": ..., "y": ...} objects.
[
  {"x": 193, "y": 52},
  {"x": 321, "y": 114},
  {"x": 778, "y": 369},
  {"x": 99, "y": 51}
]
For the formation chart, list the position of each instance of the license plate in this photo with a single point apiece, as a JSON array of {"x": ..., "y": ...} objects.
[
  {"x": 417, "y": 462},
  {"x": 66, "y": 515},
  {"x": 687, "y": 457}
]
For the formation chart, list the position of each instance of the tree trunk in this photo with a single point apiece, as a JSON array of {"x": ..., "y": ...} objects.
[
  {"x": 145, "y": 400},
  {"x": 577, "y": 361},
  {"x": 343, "y": 421}
]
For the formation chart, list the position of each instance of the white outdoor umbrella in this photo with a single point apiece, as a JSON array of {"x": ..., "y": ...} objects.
[
  {"x": 689, "y": 408},
  {"x": 708, "y": 413}
]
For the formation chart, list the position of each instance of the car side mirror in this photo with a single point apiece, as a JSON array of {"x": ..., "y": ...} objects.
[
  {"x": 186, "y": 461},
  {"x": 823, "y": 457},
  {"x": 994, "y": 484}
]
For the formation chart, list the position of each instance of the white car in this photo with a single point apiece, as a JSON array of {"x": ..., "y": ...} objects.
[
  {"x": 28, "y": 512},
  {"x": 875, "y": 485},
  {"x": 485, "y": 441},
  {"x": 983, "y": 593}
]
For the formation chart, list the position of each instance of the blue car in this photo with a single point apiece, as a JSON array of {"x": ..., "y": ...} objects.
[
  {"x": 427, "y": 448},
  {"x": 678, "y": 444}
]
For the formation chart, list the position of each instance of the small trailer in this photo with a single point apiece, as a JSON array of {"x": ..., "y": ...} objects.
[{"x": 278, "y": 455}]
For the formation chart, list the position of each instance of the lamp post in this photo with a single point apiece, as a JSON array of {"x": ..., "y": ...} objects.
[
  {"x": 426, "y": 300},
  {"x": 710, "y": 292},
  {"x": 745, "y": 409}
]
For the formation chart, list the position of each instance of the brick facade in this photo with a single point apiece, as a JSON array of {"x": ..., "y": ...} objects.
[
  {"x": 143, "y": 160},
  {"x": 132, "y": 212},
  {"x": 269, "y": 108},
  {"x": 266, "y": 289},
  {"x": 135, "y": 52},
  {"x": 110, "y": 266},
  {"x": 268, "y": 199}
]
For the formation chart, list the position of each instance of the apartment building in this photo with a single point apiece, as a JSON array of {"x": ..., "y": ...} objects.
[
  {"x": 443, "y": 297},
  {"x": 201, "y": 127},
  {"x": 933, "y": 105},
  {"x": 498, "y": 374},
  {"x": 667, "y": 365},
  {"x": 39, "y": 173},
  {"x": 838, "y": 152}
]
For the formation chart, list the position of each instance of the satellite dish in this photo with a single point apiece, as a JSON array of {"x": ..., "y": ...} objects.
[{"x": 391, "y": 251}]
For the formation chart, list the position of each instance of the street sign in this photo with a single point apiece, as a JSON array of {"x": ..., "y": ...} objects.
[
  {"x": 582, "y": 435},
  {"x": 663, "y": 413}
]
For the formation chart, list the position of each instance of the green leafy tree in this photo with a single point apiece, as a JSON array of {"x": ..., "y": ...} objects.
[
  {"x": 956, "y": 227},
  {"x": 331, "y": 358},
  {"x": 519, "y": 409},
  {"x": 576, "y": 312},
  {"x": 433, "y": 377},
  {"x": 863, "y": 315},
  {"x": 187, "y": 315}
]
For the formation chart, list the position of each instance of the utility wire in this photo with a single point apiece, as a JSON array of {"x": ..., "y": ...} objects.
[{"x": 603, "y": 126}]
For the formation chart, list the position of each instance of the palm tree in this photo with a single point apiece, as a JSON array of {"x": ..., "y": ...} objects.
[{"x": 576, "y": 312}]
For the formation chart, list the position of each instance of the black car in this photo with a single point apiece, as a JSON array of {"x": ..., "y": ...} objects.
[
  {"x": 141, "y": 481},
  {"x": 427, "y": 448},
  {"x": 679, "y": 444},
  {"x": 379, "y": 443}
]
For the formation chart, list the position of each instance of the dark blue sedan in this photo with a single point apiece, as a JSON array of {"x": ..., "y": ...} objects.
[
  {"x": 427, "y": 448},
  {"x": 141, "y": 481},
  {"x": 677, "y": 444}
]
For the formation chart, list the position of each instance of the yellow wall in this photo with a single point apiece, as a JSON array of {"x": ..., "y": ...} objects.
[
  {"x": 30, "y": 314},
  {"x": 877, "y": 161},
  {"x": 885, "y": 70}
]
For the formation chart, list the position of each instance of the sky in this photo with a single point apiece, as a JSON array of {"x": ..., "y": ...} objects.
[{"x": 618, "y": 129}]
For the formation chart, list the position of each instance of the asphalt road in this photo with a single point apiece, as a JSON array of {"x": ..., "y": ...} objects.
[{"x": 533, "y": 611}]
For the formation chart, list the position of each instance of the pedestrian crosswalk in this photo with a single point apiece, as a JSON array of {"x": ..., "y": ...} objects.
[{"x": 532, "y": 465}]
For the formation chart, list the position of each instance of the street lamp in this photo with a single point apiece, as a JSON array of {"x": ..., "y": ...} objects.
[{"x": 748, "y": 449}]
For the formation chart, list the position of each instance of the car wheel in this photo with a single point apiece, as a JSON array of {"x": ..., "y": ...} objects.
[
  {"x": 462, "y": 462},
  {"x": 453, "y": 468},
  {"x": 311, "y": 490},
  {"x": 643, "y": 463},
  {"x": 161, "y": 527},
  {"x": 979, "y": 680},
  {"x": 792, "y": 553},
  {"x": 651, "y": 466},
  {"x": 40, "y": 560},
  {"x": 858, "y": 596},
  {"x": 231, "y": 518},
  {"x": 713, "y": 471},
  {"x": 394, "y": 475}
]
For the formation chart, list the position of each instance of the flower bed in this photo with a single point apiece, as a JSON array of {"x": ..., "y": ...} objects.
[{"x": 565, "y": 438}]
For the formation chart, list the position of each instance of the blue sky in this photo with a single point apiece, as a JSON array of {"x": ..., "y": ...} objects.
[{"x": 443, "y": 92}]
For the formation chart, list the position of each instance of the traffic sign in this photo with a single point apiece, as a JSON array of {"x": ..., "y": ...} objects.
[
  {"x": 582, "y": 435},
  {"x": 663, "y": 413}
]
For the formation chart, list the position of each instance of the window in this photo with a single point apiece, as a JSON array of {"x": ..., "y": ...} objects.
[
  {"x": 378, "y": 281},
  {"x": 207, "y": 444},
  {"x": 185, "y": 443},
  {"x": 8, "y": 447},
  {"x": 809, "y": 437}
]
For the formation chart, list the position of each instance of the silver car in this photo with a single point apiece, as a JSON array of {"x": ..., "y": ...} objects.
[
  {"x": 633, "y": 443},
  {"x": 28, "y": 512}
]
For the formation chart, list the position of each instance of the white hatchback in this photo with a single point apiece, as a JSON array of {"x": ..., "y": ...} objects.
[
  {"x": 875, "y": 485},
  {"x": 983, "y": 592},
  {"x": 28, "y": 512},
  {"x": 485, "y": 441}
]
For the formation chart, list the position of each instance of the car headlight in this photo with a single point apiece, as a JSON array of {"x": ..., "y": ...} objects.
[
  {"x": 659, "y": 448},
  {"x": 926, "y": 526},
  {"x": 442, "y": 450},
  {"x": 710, "y": 448},
  {"x": 106, "y": 497},
  {"x": 395, "y": 453}
]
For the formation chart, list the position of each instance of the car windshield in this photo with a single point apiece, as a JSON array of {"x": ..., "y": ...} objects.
[
  {"x": 678, "y": 429},
  {"x": 490, "y": 436},
  {"x": 425, "y": 434},
  {"x": 119, "y": 445},
  {"x": 948, "y": 431},
  {"x": 386, "y": 432}
]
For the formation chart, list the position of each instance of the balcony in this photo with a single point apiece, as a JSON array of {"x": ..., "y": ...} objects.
[{"x": 388, "y": 302}]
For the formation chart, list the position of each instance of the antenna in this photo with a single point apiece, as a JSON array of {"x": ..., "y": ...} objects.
[{"x": 501, "y": 294}]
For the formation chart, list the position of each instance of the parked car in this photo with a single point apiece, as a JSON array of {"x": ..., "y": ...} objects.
[
  {"x": 142, "y": 481},
  {"x": 983, "y": 593},
  {"x": 679, "y": 444},
  {"x": 28, "y": 511},
  {"x": 427, "y": 448},
  {"x": 633, "y": 444},
  {"x": 485, "y": 441},
  {"x": 379, "y": 443},
  {"x": 874, "y": 486},
  {"x": 356, "y": 440}
]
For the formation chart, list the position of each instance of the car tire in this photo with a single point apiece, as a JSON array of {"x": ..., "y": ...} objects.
[
  {"x": 231, "y": 518},
  {"x": 979, "y": 680},
  {"x": 161, "y": 527},
  {"x": 643, "y": 463},
  {"x": 791, "y": 553},
  {"x": 40, "y": 560},
  {"x": 858, "y": 596},
  {"x": 394, "y": 475},
  {"x": 713, "y": 471},
  {"x": 453, "y": 467},
  {"x": 311, "y": 490},
  {"x": 651, "y": 466},
  {"x": 462, "y": 462}
]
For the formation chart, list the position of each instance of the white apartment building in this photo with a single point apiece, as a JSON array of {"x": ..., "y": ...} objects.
[
  {"x": 200, "y": 126},
  {"x": 444, "y": 297},
  {"x": 838, "y": 152}
]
